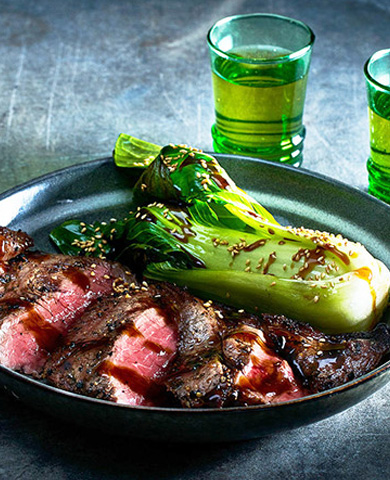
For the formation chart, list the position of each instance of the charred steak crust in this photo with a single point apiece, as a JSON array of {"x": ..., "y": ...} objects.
[
  {"x": 12, "y": 243},
  {"x": 326, "y": 361},
  {"x": 199, "y": 377}
]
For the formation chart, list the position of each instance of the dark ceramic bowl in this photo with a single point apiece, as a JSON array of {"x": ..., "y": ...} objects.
[{"x": 98, "y": 190}]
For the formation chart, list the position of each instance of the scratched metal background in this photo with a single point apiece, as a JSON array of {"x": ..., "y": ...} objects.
[{"x": 73, "y": 74}]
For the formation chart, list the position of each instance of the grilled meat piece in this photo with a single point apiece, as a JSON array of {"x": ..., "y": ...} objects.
[
  {"x": 223, "y": 360},
  {"x": 120, "y": 348},
  {"x": 12, "y": 243},
  {"x": 42, "y": 296},
  {"x": 260, "y": 375},
  {"x": 326, "y": 361},
  {"x": 199, "y": 378}
]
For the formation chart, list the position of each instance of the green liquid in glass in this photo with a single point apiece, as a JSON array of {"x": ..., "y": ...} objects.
[
  {"x": 378, "y": 164},
  {"x": 259, "y": 107}
]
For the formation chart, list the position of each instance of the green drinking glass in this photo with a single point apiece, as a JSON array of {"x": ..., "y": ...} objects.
[
  {"x": 260, "y": 64},
  {"x": 377, "y": 73}
]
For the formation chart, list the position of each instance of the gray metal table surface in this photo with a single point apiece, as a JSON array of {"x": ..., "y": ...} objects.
[{"x": 74, "y": 75}]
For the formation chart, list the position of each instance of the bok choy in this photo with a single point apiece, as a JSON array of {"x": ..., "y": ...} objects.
[{"x": 193, "y": 226}]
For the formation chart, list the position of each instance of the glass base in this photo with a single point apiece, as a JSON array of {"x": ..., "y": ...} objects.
[
  {"x": 379, "y": 181},
  {"x": 289, "y": 154}
]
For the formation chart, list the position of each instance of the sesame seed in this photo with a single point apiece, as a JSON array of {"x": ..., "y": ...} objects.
[
  {"x": 316, "y": 299},
  {"x": 272, "y": 284},
  {"x": 241, "y": 310}
]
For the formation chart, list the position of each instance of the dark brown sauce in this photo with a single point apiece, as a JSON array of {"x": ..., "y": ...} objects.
[
  {"x": 45, "y": 334},
  {"x": 254, "y": 245},
  {"x": 139, "y": 384},
  {"x": 342, "y": 256},
  {"x": 155, "y": 347},
  {"x": 76, "y": 276},
  {"x": 334, "y": 360},
  {"x": 184, "y": 235},
  {"x": 180, "y": 215},
  {"x": 188, "y": 161},
  {"x": 186, "y": 232},
  {"x": 271, "y": 260},
  {"x": 220, "y": 181},
  {"x": 271, "y": 378},
  {"x": 311, "y": 261},
  {"x": 132, "y": 331}
]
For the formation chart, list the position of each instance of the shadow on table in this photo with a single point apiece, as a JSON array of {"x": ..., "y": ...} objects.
[{"x": 63, "y": 448}]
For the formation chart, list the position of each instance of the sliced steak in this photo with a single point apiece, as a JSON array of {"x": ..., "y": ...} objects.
[
  {"x": 223, "y": 360},
  {"x": 120, "y": 349},
  {"x": 43, "y": 295},
  {"x": 199, "y": 378},
  {"x": 326, "y": 361},
  {"x": 260, "y": 375}
]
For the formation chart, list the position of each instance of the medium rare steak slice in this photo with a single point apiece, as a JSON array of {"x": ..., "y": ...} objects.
[
  {"x": 326, "y": 361},
  {"x": 260, "y": 374},
  {"x": 120, "y": 349},
  {"x": 43, "y": 295}
]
